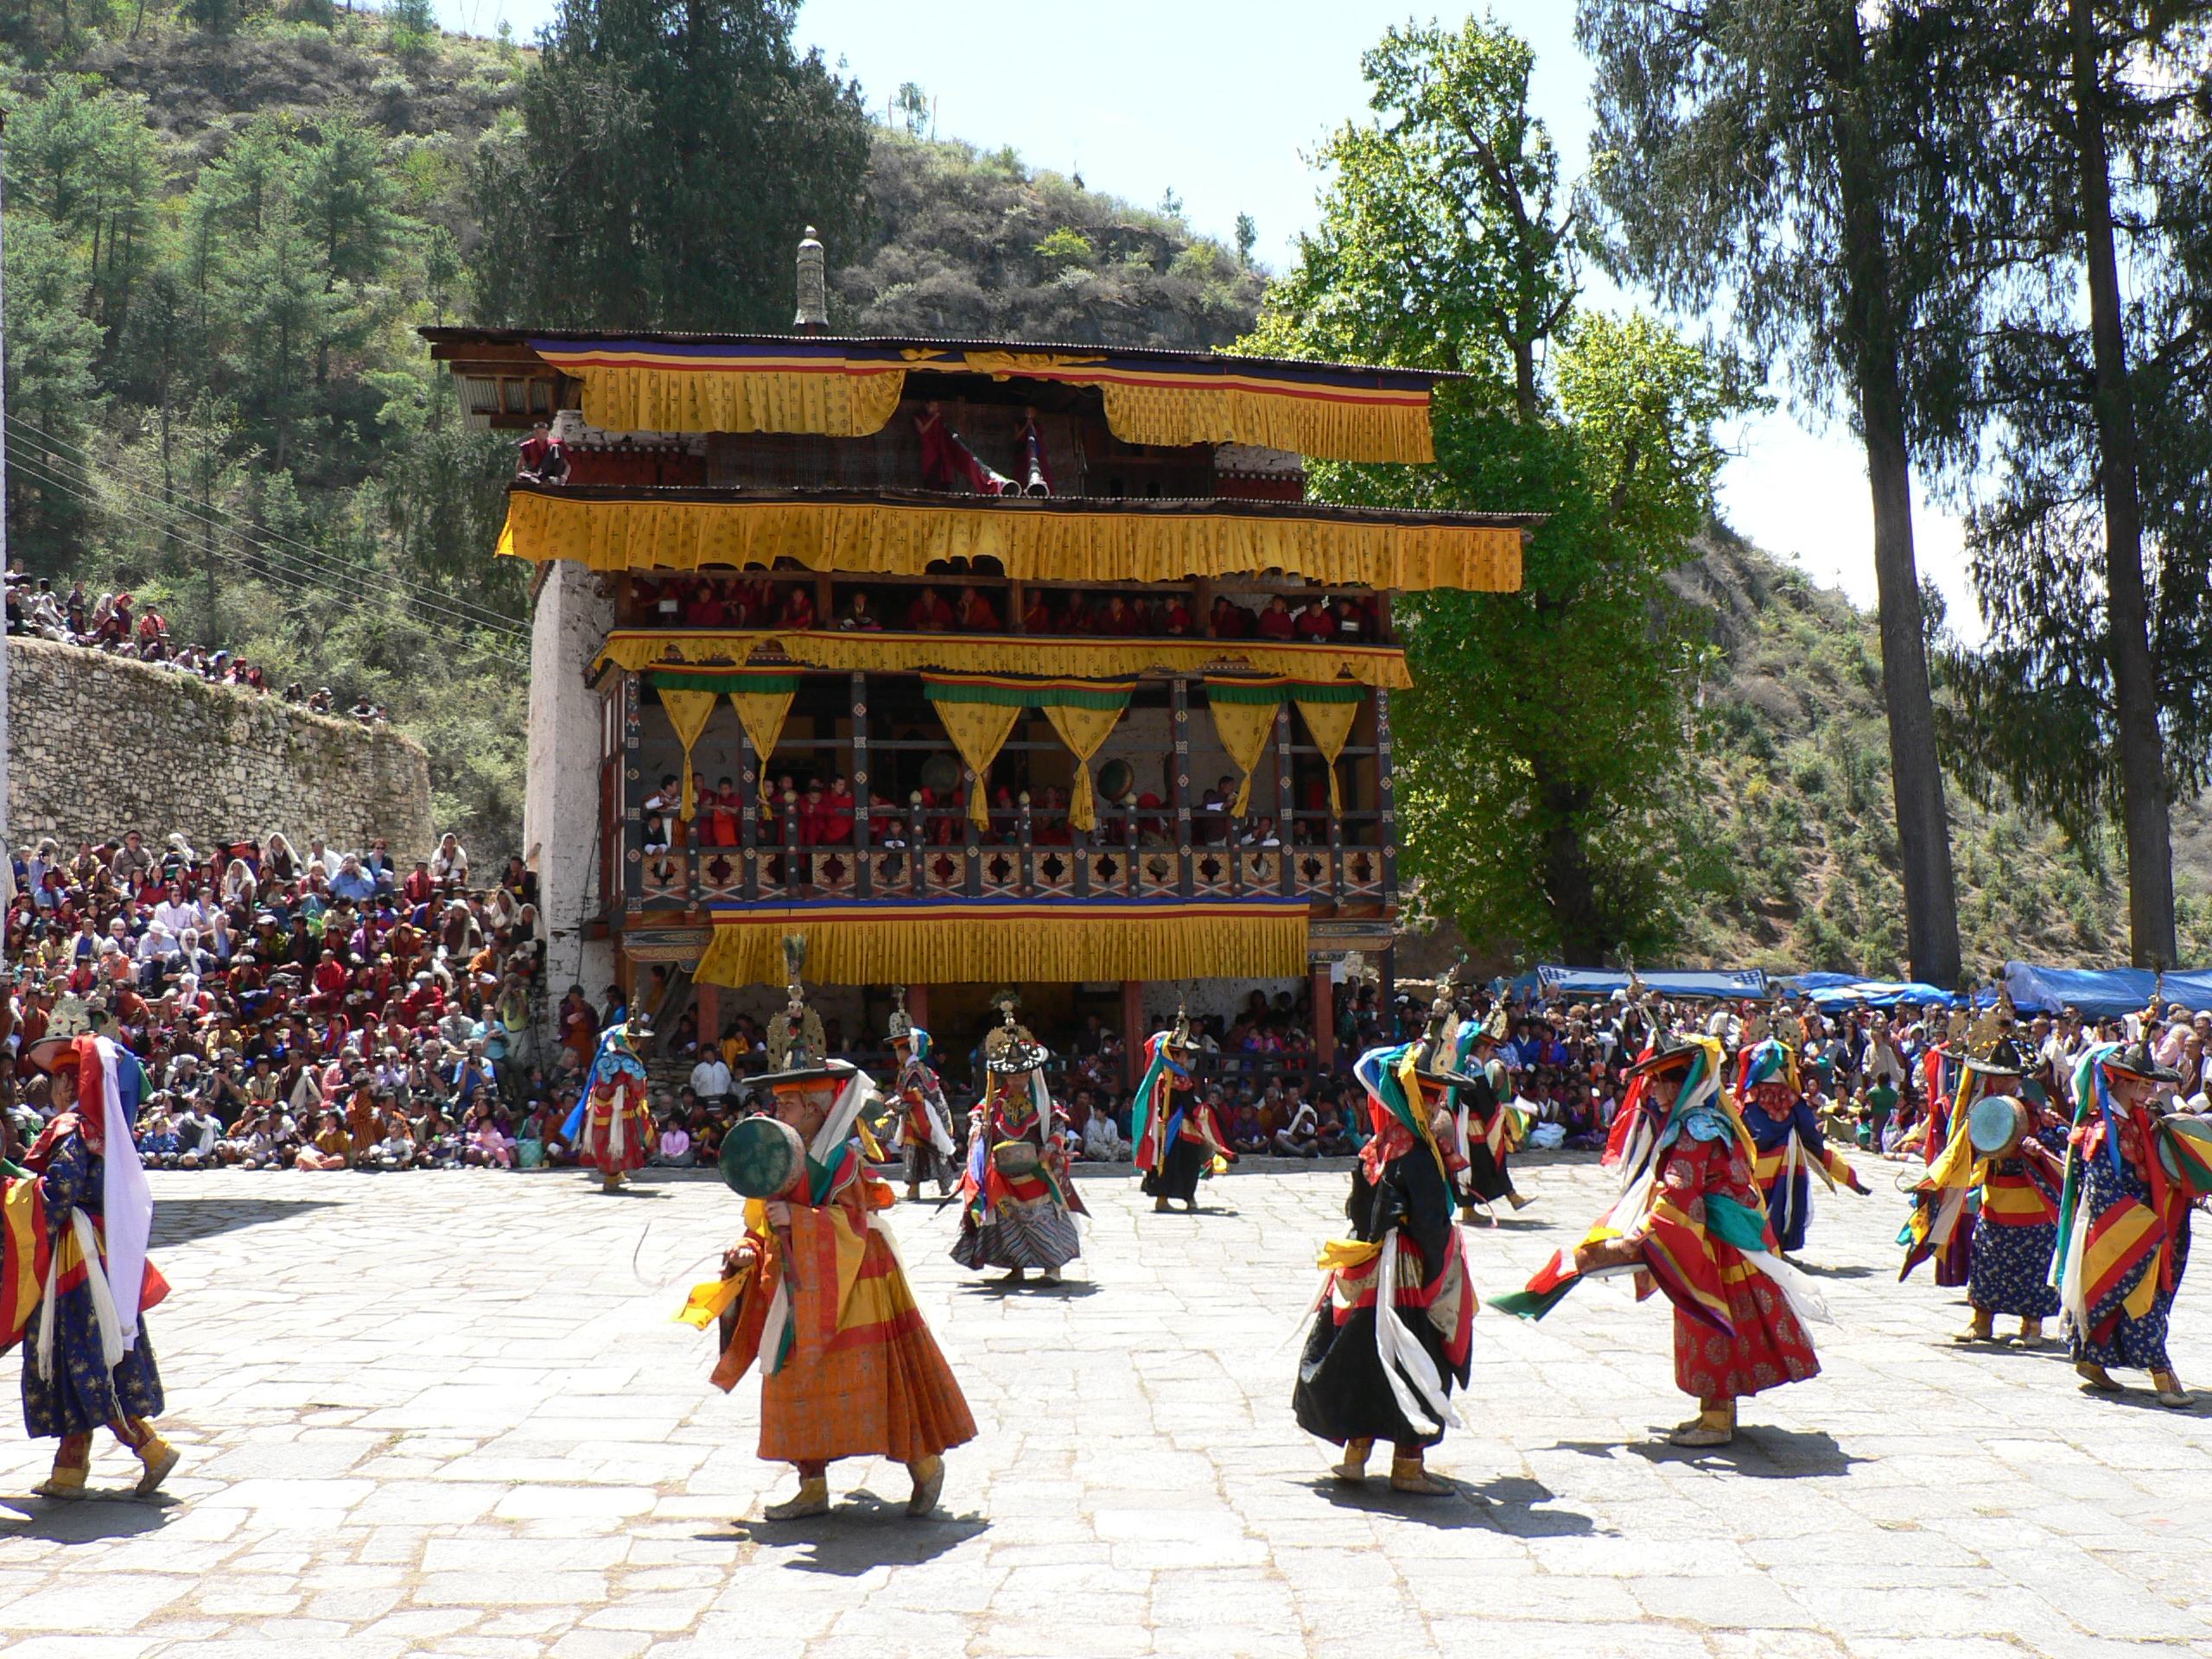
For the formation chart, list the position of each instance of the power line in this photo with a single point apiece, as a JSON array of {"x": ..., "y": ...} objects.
[
  {"x": 274, "y": 563},
  {"x": 74, "y": 489},
  {"x": 144, "y": 481},
  {"x": 304, "y": 564}
]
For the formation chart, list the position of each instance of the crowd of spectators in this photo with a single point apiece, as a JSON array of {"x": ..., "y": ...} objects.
[
  {"x": 292, "y": 1006},
  {"x": 118, "y": 623},
  {"x": 703, "y": 604}
]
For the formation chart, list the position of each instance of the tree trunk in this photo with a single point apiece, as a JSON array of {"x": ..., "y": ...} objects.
[
  {"x": 2135, "y": 688},
  {"x": 1931, "y": 905},
  {"x": 1582, "y": 940}
]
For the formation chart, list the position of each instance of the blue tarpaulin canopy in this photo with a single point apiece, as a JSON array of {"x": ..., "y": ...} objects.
[
  {"x": 1603, "y": 981},
  {"x": 1845, "y": 991},
  {"x": 2103, "y": 993}
]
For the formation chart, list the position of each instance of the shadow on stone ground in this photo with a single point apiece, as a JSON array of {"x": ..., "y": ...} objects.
[{"x": 183, "y": 1221}]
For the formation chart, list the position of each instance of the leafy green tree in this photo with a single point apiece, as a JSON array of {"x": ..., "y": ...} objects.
[
  {"x": 2095, "y": 693},
  {"x": 52, "y": 347},
  {"x": 669, "y": 159},
  {"x": 1789, "y": 162},
  {"x": 1546, "y": 726}
]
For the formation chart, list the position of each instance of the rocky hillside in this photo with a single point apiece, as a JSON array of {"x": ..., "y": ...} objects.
[{"x": 1792, "y": 788}]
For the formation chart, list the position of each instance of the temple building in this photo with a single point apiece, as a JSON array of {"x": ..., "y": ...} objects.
[{"x": 979, "y": 665}]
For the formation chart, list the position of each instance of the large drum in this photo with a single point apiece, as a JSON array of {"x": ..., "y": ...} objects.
[
  {"x": 1997, "y": 1124},
  {"x": 763, "y": 1157},
  {"x": 1016, "y": 1159}
]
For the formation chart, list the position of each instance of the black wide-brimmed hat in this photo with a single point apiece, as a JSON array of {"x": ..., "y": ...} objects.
[
  {"x": 2003, "y": 1060},
  {"x": 775, "y": 1082},
  {"x": 1665, "y": 1060},
  {"x": 2136, "y": 1060}
]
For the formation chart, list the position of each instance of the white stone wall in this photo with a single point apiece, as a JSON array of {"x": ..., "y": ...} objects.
[
  {"x": 98, "y": 745},
  {"x": 560, "y": 799}
]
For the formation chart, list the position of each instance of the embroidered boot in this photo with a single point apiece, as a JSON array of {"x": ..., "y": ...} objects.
[
  {"x": 2096, "y": 1377},
  {"x": 2170, "y": 1392},
  {"x": 1715, "y": 1425},
  {"x": 1352, "y": 1470},
  {"x": 1981, "y": 1328},
  {"x": 158, "y": 1456},
  {"x": 73, "y": 1460},
  {"x": 2032, "y": 1334},
  {"x": 1409, "y": 1473},
  {"x": 929, "y": 1481},
  {"x": 811, "y": 1498}
]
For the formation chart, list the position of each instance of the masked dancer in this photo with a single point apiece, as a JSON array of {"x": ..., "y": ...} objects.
[
  {"x": 1179, "y": 1141},
  {"x": 1394, "y": 1328},
  {"x": 1690, "y": 1221},
  {"x": 924, "y": 1131},
  {"x": 1487, "y": 1128},
  {"x": 611, "y": 1126},
  {"x": 2123, "y": 1221},
  {"x": 74, "y": 1280},
  {"x": 1786, "y": 1133},
  {"x": 1975, "y": 1066},
  {"x": 1018, "y": 1203},
  {"x": 815, "y": 1294}
]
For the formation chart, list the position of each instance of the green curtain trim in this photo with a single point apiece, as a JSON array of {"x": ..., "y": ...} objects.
[
  {"x": 1247, "y": 691},
  {"x": 744, "y": 685},
  {"x": 1339, "y": 692},
  {"x": 1027, "y": 696}
]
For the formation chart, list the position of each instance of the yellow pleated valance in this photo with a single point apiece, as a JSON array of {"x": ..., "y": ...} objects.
[
  {"x": 1072, "y": 656},
  {"x": 989, "y": 941},
  {"x": 618, "y": 398},
  {"x": 851, "y": 390},
  {"x": 1030, "y": 540}
]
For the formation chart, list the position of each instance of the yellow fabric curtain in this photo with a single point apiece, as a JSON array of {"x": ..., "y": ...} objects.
[
  {"x": 1245, "y": 730},
  {"x": 978, "y": 730},
  {"x": 762, "y": 715},
  {"x": 1085, "y": 731},
  {"x": 1031, "y": 540},
  {"x": 689, "y": 712},
  {"x": 957, "y": 944},
  {"x": 1365, "y": 426},
  {"x": 1331, "y": 723},
  {"x": 644, "y": 399},
  {"x": 1058, "y": 655}
]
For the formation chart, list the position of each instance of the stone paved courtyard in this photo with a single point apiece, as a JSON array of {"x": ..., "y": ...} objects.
[{"x": 448, "y": 1414}]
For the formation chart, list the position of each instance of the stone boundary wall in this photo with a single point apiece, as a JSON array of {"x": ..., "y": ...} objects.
[{"x": 98, "y": 745}]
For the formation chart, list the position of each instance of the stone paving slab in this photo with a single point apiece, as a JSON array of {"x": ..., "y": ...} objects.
[{"x": 448, "y": 1414}]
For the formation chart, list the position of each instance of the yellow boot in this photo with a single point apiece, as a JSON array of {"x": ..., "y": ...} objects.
[
  {"x": 1352, "y": 1469},
  {"x": 811, "y": 1498},
  {"x": 160, "y": 1457},
  {"x": 72, "y": 1460},
  {"x": 928, "y": 1482},
  {"x": 1714, "y": 1425},
  {"x": 1409, "y": 1473}
]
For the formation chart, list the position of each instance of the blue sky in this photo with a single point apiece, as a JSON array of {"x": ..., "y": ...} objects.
[{"x": 1218, "y": 102}]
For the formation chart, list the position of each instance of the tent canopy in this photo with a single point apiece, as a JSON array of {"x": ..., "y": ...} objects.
[
  {"x": 2104, "y": 993},
  {"x": 1603, "y": 981}
]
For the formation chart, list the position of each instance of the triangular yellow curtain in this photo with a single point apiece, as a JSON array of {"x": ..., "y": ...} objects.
[
  {"x": 979, "y": 731},
  {"x": 1244, "y": 720},
  {"x": 1085, "y": 731},
  {"x": 762, "y": 701},
  {"x": 688, "y": 712},
  {"x": 762, "y": 715},
  {"x": 1328, "y": 712}
]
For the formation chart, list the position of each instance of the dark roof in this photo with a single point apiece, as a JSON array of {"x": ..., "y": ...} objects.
[{"x": 891, "y": 345}]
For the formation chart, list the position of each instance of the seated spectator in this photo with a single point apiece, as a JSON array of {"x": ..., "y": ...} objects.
[
  {"x": 973, "y": 614},
  {"x": 798, "y": 610},
  {"x": 1228, "y": 619},
  {"x": 1276, "y": 621},
  {"x": 673, "y": 1149},
  {"x": 705, "y": 609},
  {"x": 858, "y": 618},
  {"x": 1102, "y": 1137},
  {"x": 1121, "y": 619},
  {"x": 928, "y": 613},
  {"x": 541, "y": 456},
  {"x": 1174, "y": 618},
  {"x": 1035, "y": 617},
  {"x": 1247, "y": 1134},
  {"x": 1314, "y": 625}
]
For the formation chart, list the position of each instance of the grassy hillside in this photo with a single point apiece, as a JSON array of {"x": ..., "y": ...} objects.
[{"x": 1792, "y": 783}]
